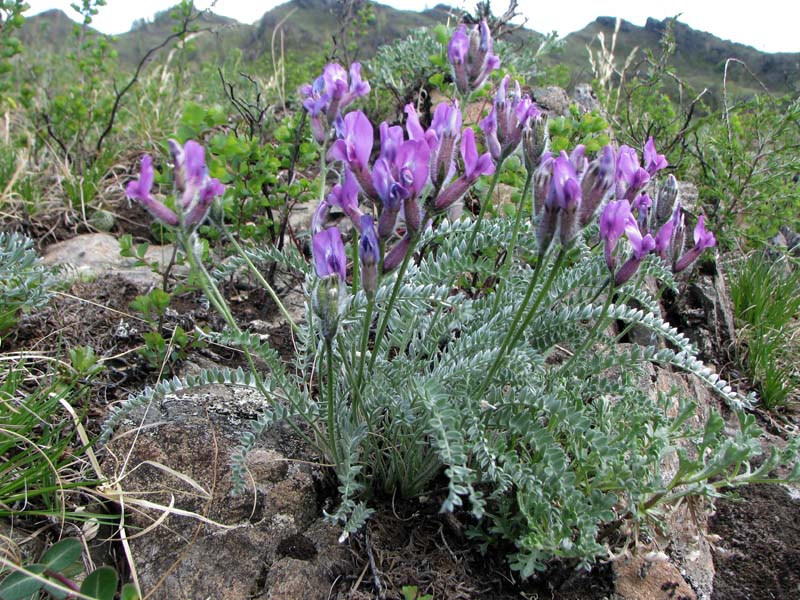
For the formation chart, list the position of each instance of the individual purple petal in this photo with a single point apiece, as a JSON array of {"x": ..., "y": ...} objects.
[
  {"x": 615, "y": 217},
  {"x": 413, "y": 162},
  {"x": 413, "y": 127},
  {"x": 139, "y": 190},
  {"x": 663, "y": 238},
  {"x": 356, "y": 145},
  {"x": 474, "y": 165},
  {"x": 391, "y": 138},
  {"x": 358, "y": 87},
  {"x": 653, "y": 161},
  {"x": 703, "y": 238},
  {"x": 329, "y": 256}
]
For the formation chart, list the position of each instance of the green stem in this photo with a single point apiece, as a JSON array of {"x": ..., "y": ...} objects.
[
  {"x": 514, "y": 331},
  {"x": 331, "y": 415},
  {"x": 356, "y": 269},
  {"x": 362, "y": 348},
  {"x": 486, "y": 202},
  {"x": 392, "y": 299},
  {"x": 599, "y": 323},
  {"x": 264, "y": 283},
  {"x": 512, "y": 246}
]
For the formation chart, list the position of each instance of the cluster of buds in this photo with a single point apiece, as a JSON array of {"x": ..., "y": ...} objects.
[
  {"x": 194, "y": 189},
  {"x": 471, "y": 54},
  {"x": 511, "y": 114}
]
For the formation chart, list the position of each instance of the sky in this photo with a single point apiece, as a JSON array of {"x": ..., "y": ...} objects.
[{"x": 768, "y": 25}]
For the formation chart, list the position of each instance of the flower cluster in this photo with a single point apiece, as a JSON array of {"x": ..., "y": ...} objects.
[
  {"x": 630, "y": 214},
  {"x": 330, "y": 93},
  {"x": 194, "y": 189},
  {"x": 471, "y": 54}
]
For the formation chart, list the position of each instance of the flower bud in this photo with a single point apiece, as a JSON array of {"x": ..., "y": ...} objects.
[
  {"x": 534, "y": 142},
  {"x": 369, "y": 255},
  {"x": 665, "y": 200},
  {"x": 326, "y": 303}
]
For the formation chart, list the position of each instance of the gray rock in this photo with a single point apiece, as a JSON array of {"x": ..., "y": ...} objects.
[
  {"x": 219, "y": 546},
  {"x": 552, "y": 99},
  {"x": 585, "y": 98},
  {"x": 95, "y": 254}
]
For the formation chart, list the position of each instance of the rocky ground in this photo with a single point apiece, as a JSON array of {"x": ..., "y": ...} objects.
[{"x": 189, "y": 538}]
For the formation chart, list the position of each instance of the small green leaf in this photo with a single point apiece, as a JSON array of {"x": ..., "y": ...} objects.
[
  {"x": 128, "y": 592},
  {"x": 20, "y": 585},
  {"x": 62, "y": 554},
  {"x": 441, "y": 33},
  {"x": 101, "y": 584}
]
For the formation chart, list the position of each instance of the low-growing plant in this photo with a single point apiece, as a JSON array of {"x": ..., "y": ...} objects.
[
  {"x": 25, "y": 283},
  {"x": 479, "y": 351},
  {"x": 53, "y": 575},
  {"x": 765, "y": 292}
]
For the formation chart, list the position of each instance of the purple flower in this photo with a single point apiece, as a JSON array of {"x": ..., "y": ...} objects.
[
  {"x": 597, "y": 182},
  {"x": 702, "y": 239},
  {"x": 641, "y": 245},
  {"x": 474, "y": 167},
  {"x": 563, "y": 199},
  {"x": 615, "y": 218},
  {"x": 472, "y": 56},
  {"x": 631, "y": 178},
  {"x": 195, "y": 189},
  {"x": 640, "y": 206},
  {"x": 140, "y": 190},
  {"x": 330, "y": 94},
  {"x": 443, "y": 135},
  {"x": 329, "y": 257},
  {"x": 510, "y": 114},
  {"x": 354, "y": 148},
  {"x": 355, "y": 145},
  {"x": 398, "y": 176},
  {"x": 653, "y": 161},
  {"x": 369, "y": 255}
]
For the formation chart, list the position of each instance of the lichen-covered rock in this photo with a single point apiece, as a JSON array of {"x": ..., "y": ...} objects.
[{"x": 193, "y": 539}]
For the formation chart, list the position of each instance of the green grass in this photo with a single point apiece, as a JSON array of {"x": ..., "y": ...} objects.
[{"x": 766, "y": 299}]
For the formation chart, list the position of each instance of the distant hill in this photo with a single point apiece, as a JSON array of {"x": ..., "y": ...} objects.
[
  {"x": 699, "y": 59},
  {"x": 699, "y": 56}
]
